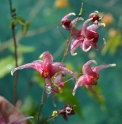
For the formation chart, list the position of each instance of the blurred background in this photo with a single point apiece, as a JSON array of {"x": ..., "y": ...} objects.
[{"x": 37, "y": 32}]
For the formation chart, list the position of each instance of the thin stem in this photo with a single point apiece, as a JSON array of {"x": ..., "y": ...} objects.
[
  {"x": 66, "y": 48},
  {"x": 68, "y": 41},
  {"x": 43, "y": 99},
  {"x": 12, "y": 12},
  {"x": 49, "y": 118},
  {"x": 61, "y": 31}
]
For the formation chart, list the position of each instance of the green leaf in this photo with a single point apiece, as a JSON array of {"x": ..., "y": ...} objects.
[
  {"x": 7, "y": 64},
  {"x": 101, "y": 100},
  {"x": 67, "y": 97},
  {"x": 29, "y": 106},
  {"x": 112, "y": 44},
  {"x": 24, "y": 25},
  {"x": 81, "y": 10}
]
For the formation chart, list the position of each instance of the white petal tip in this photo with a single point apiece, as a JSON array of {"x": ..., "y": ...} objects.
[
  {"x": 103, "y": 24},
  {"x": 74, "y": 54},
  {"x": 81, "y": 18},
  {"x": 86, "y": 50},
  {"x": 30, "y": 117},
  {"x": 11, "y": 73},
  {"x": 113, "y": 64},
  {"x": 104, "y": 41},
  {"x": 95, "y": 62},
  {"x": 41, "y": 56},
  {"x": 90, "y": 19},
  {"x": 96, "y": 11},
  {"x": 73, "y": 13}
]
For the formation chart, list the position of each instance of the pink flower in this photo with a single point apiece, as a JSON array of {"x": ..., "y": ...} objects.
[
  {"x": 47, "y": 68},
  {"x": 69, "y": 25},
  {"x": 2, "y": 121},
  {"x": 90, "y": 76},
  {"x": 58, "y": 84},
  {"x": 85, "y": 38}
]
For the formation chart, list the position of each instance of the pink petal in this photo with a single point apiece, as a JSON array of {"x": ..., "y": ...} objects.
[
  {"x": 21, "y": 120},
  {"x": 58, "y": 64},
  {"x": 86, "y": 45},
  {"x": 94, "y": 26},
  {"x": 60, "y": 68},
  {"x": 47, "y": 57},
  {"x": 74, "y": 45},
  {"x": 76, "y": 20},
  {"x": 66, "y": 22},
  {"x": 29, "y": 65},
  {"x": 56, "y": 67},
  {"x": 97, "y": 47},
  {"x": 58, "y": 78},
  {"x": 98, "y": 68},
  {"x": 84, "y": 27},
  {"x": 81, "y": 81},
  {"x": 86, "y": 70},
  {"x": 75, "y": 33}
]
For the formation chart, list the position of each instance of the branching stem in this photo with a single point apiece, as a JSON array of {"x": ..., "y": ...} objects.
[{"x": 12, "y": 12}]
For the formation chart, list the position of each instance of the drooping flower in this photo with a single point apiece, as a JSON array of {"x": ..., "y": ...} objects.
[
  {"x": 70, "y": 25},
  {"x": 85, "y": 38},
  {"x": 95, "y": 16},
  {"x": 58, "y": 83},
  {"x": 66, "y": 111},
  {"x": 2, "y": 121},
  {"x": 47, "y": 68},
  {"x": 90, "y": 76}
]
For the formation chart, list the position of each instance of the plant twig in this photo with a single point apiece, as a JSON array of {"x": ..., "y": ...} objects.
[
  {"x": 43, "y": 99},
  {"x": 13, "y": 16}
]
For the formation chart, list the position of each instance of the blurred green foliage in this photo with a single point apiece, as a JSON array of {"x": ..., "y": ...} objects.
[{"x": 36, "y": 32}]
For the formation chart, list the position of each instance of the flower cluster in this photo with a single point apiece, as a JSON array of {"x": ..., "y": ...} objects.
[
  {"x": 53, "y": 72},
  {"x": 85, "y": 38}
]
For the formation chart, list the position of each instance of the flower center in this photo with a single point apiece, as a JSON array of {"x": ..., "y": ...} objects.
[
  {"x": 45, "y": 74},
  {"x": 68, "y": 110}
]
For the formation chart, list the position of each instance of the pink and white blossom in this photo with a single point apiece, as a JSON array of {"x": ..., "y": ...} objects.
[
  {"x": 90, "y": 76},
  {"x": 47, "y": 68}
]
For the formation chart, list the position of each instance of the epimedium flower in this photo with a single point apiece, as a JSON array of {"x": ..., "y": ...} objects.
[
  {"x": 66, "y": 111},
  {"x": 90, "y": 76},
  {"x": 2, "y": 121},
  {"x": 47, "y": 68},
  {"x": 85, "y": 38},
  {"x": 58, "y": 83}
]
